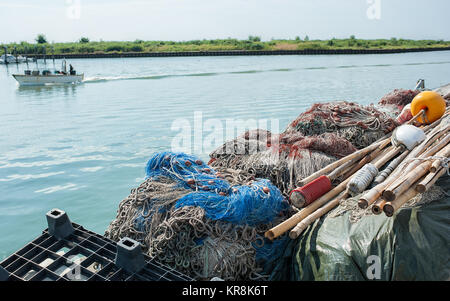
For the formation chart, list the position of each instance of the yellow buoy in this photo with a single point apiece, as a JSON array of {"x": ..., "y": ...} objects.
[{"x": 433, "y": 103}]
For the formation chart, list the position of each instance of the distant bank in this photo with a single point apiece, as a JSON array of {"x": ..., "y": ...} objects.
[
  {"x": 237, "y": 52},
  {"x": 84, "y": 48}
]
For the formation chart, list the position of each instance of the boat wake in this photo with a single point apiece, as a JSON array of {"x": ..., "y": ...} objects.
[{"x": 98, "y": 79}]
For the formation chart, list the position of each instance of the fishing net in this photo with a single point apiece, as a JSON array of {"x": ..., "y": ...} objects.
[
  {"x": 280, "y": 166},
  {"x": 200, "y": 221},
  {"x": 398, "y": 98},
  {"x": 360, "y": 125},
  {"x": 319, "y": 136}
]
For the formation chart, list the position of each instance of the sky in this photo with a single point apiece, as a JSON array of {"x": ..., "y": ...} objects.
[{"x": 181, "y": 20}]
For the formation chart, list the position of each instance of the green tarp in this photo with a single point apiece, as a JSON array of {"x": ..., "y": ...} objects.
[{"x": 412, "y": 245}]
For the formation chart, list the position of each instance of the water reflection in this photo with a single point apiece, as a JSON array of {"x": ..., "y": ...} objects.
[{"x": 66, "y": 90}]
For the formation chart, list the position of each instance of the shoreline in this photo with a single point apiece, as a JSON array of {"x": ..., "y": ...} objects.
[{"x": 237, "y": 53}]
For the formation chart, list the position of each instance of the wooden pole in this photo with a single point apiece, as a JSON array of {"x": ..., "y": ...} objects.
[
  {"x": 298, "y": 217},
  {"x": 415, "y": 117},
  {"x": 26, "y": 56},
  {"x": 377, "y": 208},
  {"x": 6, "y": 55},
  {"x": 390, "y": 168},
  {"x": 414, "y": 163},
  {"x": 391, "y": 207},
  {"x": 392, "y": 192},
  {"x": 388, "y": 156},
  {"x": 429, "y": 180},
  {"x": 341, "y": 169},
  {"x": 373, "y": 194},
  {"x": 368, "y": 158},
  {"x": 301, "y": 226},
  {"x": 436, "y": 164},
  {"x": 15, "y": 55},
  {"x": 438, "y": 146},
  {"x": 358, "y": 154}
]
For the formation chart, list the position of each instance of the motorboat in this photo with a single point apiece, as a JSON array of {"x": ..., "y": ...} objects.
[
  {"x": 11, "y": 59},
  {"x": 36, "y": 77}
]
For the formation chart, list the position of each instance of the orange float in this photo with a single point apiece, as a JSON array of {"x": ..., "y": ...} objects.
[{"x": 433, "y": 103}]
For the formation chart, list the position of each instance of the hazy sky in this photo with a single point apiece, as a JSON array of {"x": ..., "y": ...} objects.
[{"x": 68, "y": 20}]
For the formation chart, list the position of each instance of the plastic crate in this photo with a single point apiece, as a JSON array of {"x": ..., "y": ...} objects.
[{"x": 68, "y": 252}]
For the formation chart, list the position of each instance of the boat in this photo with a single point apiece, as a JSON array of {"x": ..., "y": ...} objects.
[
  {"x": 11, "y": 59},
  {"x": 36, "y": 77}
]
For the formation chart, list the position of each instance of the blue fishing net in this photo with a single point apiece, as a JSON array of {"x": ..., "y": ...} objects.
[
  {"x": 257, "y": 203},
  {"x": 271, "y": 250},
  {"x": 189, "y": 171}
]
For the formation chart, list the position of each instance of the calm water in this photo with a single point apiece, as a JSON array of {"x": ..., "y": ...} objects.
[{"x": 82, "y": 147}]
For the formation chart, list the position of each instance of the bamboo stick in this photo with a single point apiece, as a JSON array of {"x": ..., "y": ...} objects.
[
  {"x": 301, "y": 226},
  {"x": 407, "y": 166},
  {"x": 373, "y": 194},
  {"x": 390, "y": 194},
  {"x": 391, "y": 207},
  {"x": 298, "y": 217},
  {"x": 429, "y": 180},
  {"x": 435, "y": 166},
  {"x": 444, "y": 153},
  {"x": 436, "y": 123},
  {"x": 358, "y": 154},
  {"x": 415, "y": 117},
  {"x": 438, "y": 146},
  {"x": 377, "y": 208},
  {"x": 390, "y": 168},
  {"x": 305, "y": 212},
  {"x": 442, "y": 148},
  {"x": 388, "y": 156},
  {"x": 341, "y": 169},
  {"x": 368, "y": 158}
]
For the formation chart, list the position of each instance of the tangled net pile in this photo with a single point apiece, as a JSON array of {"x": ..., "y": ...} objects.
[
  {"x": 398, "y": 98},
  {"x": 191, "y": 218},
  {"x": 284, "y": 162},
  {"x": 319, "y": 136},
  {"x": 360, "y": 125}
]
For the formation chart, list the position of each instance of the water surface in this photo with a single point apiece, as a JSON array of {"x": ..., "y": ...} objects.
[{"x": 82, "y": 147}]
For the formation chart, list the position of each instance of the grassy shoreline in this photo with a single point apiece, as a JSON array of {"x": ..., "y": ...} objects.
[{"x": 251, "y": 44}]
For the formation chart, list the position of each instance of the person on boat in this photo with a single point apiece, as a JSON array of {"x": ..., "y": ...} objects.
[{"x": 70, "y": 69}]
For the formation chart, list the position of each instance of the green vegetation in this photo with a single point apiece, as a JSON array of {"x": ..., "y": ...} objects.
[
  {"x": 84, "y": 40},
  {"x": 84, "y": 45},
  {"x": 41, "y": 39}
]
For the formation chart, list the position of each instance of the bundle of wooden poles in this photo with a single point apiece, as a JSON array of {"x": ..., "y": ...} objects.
[{"x": 409, "y": 172}]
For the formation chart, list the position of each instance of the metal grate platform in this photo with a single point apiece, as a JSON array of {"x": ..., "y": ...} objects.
[{"x": 82, "y": 255}]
